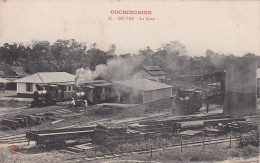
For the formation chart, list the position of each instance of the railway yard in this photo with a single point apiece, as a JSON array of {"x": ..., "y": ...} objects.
[
  {"x": 127, "y": 132},
  {"x": 133, "y": 120}
]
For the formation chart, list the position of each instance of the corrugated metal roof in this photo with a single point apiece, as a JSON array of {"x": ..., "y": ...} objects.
[
  {"x": 156, "y": 73},
  {"x": 65, "y": 83},
  {"x": 19, "y": 71},
  {"x": 102, "y": 84},
  {"x": 152, "y": 68},
  {"x": 143, "y": 84},
  {"x": 4, "y": 80},
  {"x": 6, "y": 70},
  {"x": 47, "y": 77}
]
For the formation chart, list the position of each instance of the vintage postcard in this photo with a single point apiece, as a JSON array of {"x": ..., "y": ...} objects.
[{"x": 129, "y": 81}]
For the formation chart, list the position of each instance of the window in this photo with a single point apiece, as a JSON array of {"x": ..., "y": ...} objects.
[
  {"x": 69, "y": 89},
  {"x": 29, "y": 87}
]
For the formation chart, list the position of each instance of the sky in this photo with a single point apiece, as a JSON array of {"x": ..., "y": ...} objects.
[{"x": 226, "y": 27}]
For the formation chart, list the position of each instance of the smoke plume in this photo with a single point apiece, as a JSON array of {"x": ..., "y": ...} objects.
[
  {"x": 83, "y": 75},
  {"x": 119, "y": 68}
]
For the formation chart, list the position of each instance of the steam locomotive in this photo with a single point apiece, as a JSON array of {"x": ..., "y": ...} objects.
[
  {"x": 93, "y": 92},
  {"x": 189, "y": 101},
  {"x": 45, "y": 95}
]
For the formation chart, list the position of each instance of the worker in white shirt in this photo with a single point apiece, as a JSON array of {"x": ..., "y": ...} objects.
[
  {"x": 85, "y": 105},
  {"x": 73, "y": 103}
]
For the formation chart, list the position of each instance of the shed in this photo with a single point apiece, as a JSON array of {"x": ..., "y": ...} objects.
[
  {"x": 27, "y": 86},
  {"x": 142, "y": 90},
  {"x": 6, "y": 71},
  {"x": 11, "y": 73},
  {"x": 151, "y": 72},
  {"x": 19, "y": 71}
]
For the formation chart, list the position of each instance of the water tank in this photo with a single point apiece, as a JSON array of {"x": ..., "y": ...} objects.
[{"x": 240, "y": 87}]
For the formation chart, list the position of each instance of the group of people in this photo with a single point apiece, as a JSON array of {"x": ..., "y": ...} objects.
[{"x": 73, "y": 103}]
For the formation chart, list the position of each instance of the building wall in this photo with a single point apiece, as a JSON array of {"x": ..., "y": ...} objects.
[
  {"x": 144, "y": 75},
  {"x": 21, "y": 88},
  {"x": 240, "y": 87},
  {"x": 157, "y": 78},
  {"x": 21, "y": 91},
  {"x": 154, "y": 95}
]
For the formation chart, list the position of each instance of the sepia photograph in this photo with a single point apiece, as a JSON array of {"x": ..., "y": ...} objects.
[{"x": 129, "y": 81}]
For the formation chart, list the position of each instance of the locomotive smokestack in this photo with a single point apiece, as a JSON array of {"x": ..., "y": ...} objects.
[{"x": 83, "y": 75}]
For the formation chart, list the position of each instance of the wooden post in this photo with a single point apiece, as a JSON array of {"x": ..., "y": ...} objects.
[
  {"x": 151, "y": 151},
  {"x": 207, "y": 107},
  {"x": 28, "y": 142},
  {"x": 181, "y": 142},
  {"x": 240, "y": 139},
  {"x": 203, "y": 133},
  {"x": 230, "y": 137},
  {"x": 85, "y": 110},
  {"x": 172, "y": 133}
]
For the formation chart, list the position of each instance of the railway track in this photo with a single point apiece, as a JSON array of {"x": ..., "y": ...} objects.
[
  {"x": 63, "y": 112},
  {"x": 144, "y": 151},
  {"x": 13, "y": 139}
]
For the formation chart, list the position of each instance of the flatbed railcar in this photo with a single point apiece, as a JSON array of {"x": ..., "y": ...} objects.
[{"x": 57, "y": 137}]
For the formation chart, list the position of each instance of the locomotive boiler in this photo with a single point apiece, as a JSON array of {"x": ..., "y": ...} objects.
[
  {"x": 189, "y": 101},
  {"x": 45, "y": 95},
  {"x": 93, "y": 92}
]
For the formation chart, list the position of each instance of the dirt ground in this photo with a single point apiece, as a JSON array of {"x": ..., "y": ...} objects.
[{"x": 11, "y": 106}]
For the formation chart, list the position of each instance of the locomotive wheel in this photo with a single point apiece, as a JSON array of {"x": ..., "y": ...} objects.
[
  {"x": 40, "y": 145},
  {"x": 62, "y": 143},
  {"x": 49, "y": 144}
]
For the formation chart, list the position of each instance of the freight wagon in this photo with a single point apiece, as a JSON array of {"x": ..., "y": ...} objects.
[{"x": 58, "y": 137}]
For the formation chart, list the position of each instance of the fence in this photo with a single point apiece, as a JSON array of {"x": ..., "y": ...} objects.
[{"x": 202, "y": 143}]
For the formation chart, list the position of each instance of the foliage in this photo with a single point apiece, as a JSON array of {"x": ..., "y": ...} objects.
[
  {"x": 251, "y": 138},
  {"x": 250, "y": 151},
  {"x": 69, "y": 55}
]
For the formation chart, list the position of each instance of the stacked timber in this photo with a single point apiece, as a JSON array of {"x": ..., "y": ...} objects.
[
  {"x": 133, "y": 135},
  {"x": 191, "y": 125},
  {"x": 109, "y": 133},
  {"x": 21, "y": 121},
  {"x": 223, "y": 121},
  {"x": 243, "y": 126}
]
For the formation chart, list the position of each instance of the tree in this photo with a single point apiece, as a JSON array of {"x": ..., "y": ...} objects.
[
  {"x": 70, "y": 55},
  {"x": 174, "y": 48},
  {"x": 96, "y": 57},
  {"x": 40, "y": 58},
  {"x": 13, "y": 54},
  {"x": 111, "y": 50}
]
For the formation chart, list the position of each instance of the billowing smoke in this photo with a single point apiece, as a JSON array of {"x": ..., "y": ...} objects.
[
  {"x": 117, "y": 68},
  {"x": 83, "y": 75}
]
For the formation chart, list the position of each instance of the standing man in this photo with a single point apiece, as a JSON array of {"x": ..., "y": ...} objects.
[
  {"x": 59, "y": 94},
  {"x": 85, "y": 105},
  {"x": 73, "y": 103},
  {"x": 207, "y": 106}
]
